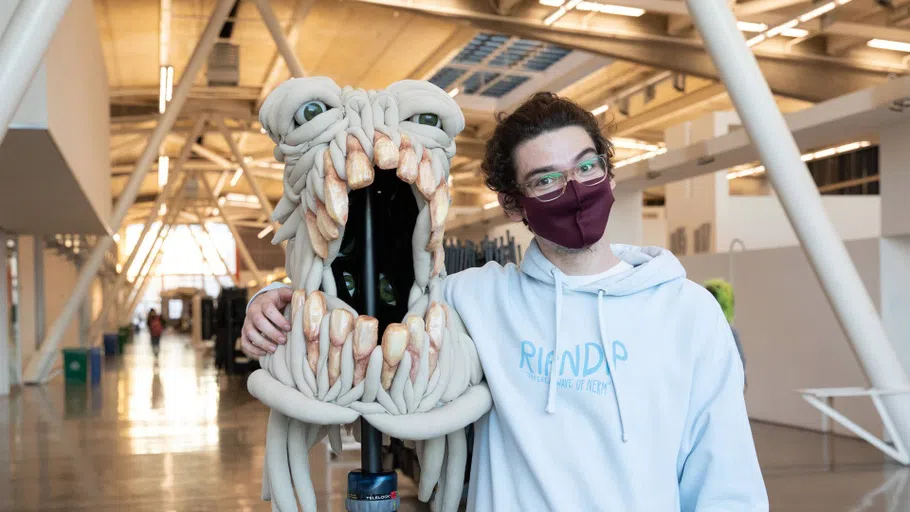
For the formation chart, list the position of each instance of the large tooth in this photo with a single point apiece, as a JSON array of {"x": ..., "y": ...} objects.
[
  {"x": 436, "y": 237},
  {"x": 313, "y": 311},
  {"x": 439, "y": 207},
  {"x": 394, "y": 343},
  {"x": 335, "y": 191},
  {"x": 324, "y": 222},
  {"x": 416, "y": 331},
  {"x": 366, "y": 334},
  {"x": 408, "y": 161},
  {"x": 319, "y": 243},
  {"x": 436, "y": 323},
  {"x": 341, "y": 323},
  {"x": 385, "y": 154},
  {"x": 426, "y": 180},
  {"x": 358, "y": 166},
  {"x": 439, "y": 261}
]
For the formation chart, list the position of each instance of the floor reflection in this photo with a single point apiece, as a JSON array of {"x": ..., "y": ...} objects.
[{"x": 173, "y": 435}]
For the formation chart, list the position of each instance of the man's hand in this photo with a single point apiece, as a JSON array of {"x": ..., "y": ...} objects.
[{"x": 265, "y": 326}]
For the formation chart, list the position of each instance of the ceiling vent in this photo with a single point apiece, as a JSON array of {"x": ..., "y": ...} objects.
[{"x": 224, "y": 65}]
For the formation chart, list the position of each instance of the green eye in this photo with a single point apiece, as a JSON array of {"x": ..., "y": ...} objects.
[
  {"x": 349, "y": 283},
  {"x": 427, "y": 119},
  {"x": 309, "y": 110},
  {"x": 386, "y": 292}
]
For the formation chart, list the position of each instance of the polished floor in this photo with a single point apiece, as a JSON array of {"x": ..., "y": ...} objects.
[{"x": 176, "y": 436}]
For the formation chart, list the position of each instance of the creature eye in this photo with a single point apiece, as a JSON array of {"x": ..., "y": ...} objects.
[
  {"x": 427, "y": 119},
  {"x": 309, "y": 110}
]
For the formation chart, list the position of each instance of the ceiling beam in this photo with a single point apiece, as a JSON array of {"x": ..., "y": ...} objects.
[
  {"x": 754, "y": 7},
  {"x": 807, "y": 76},
  {"x": 671, "y": 109},
  {"x": 866, "y": 31}
]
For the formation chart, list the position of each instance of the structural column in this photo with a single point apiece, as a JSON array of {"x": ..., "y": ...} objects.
[
  {"x": 894, "y": 168},
  {"x": 696, "y": 207},
  {"x": 5, "y": 331},
  {"x": 38, "y": 258},
  {"x": 802, "y": 203}
]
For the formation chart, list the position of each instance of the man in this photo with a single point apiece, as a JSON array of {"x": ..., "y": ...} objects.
[{"x": 616, "y": 382}]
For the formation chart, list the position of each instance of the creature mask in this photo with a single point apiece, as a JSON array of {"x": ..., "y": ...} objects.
[{"x": 424, "y": 383}]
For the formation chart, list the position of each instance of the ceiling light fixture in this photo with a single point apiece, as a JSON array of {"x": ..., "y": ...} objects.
[
  {"x": 638, "y": 158},
  {"x": 491, "y": 205},
  {"x": 789, "y": 27},
  {"x": 268, "y": 229},
  {"x": 163, "y": 168},
  {"x": 236, "y": 177},
  {"x": 454, "y": 92},
  {"x": 562, "y": 11},
  {"x": 748, "y": 170},
  {"x": 618, "y": 10},
  {"x": 626, "y": 143},
  {"x": 600, "y": 110},
  {"x": 884, "y": 44}
]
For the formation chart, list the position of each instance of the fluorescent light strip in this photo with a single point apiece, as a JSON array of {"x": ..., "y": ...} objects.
[
  {"x": 807, "y": 157},
  {"x": 644, "y": 156},
  {"x": 163, "y": 167},
  {"x": 454, "y": 92},
  {"x": 268, "y": 229},
  {"x": 169, "y": 83},
  {"x": 491, "y": 205},
  {"x": 625, "y": 143},
  {"x": 236, "y": 177},
  {"x": 162, "y": 89},
  {"x": 884, "y": 44},
  {"x": 789, "y": 28},
  {"x": 552, "y": 3},
  {"x": 600, "y": 110},
  {"x": 562, "y": 11},
  {"x": 618, "y": 10}
]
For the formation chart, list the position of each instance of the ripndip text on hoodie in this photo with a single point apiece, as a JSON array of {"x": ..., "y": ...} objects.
[{"x": 624, "y": 394}]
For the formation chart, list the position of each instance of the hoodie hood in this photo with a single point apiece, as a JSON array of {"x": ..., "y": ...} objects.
[{"x": 653, "y": 266}]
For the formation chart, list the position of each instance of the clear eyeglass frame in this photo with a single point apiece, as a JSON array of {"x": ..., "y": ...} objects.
[{"x": 596, "y": 175}]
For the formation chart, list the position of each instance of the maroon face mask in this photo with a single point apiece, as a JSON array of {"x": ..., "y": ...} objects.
[{"x": 576, "y": 219}]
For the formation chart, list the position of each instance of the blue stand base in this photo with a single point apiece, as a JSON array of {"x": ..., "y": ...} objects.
[{"x": 372, "y": 492}]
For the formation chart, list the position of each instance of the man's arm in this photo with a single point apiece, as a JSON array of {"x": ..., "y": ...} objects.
[
  {"x": 718, "y": 467},
  {"x": 265, "y": 327}
]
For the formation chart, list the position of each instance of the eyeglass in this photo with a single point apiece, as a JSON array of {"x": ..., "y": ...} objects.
[{"x": 552, "y": 185}]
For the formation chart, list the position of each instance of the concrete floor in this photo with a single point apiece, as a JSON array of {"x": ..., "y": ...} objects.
[{"x": 178, "y": 437}]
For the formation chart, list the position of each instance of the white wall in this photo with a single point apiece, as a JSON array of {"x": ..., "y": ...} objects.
[
  {"x": 789, "y": 333},
  {"x": 761, "y": 223},
  {"x": 654, "y": 226}
]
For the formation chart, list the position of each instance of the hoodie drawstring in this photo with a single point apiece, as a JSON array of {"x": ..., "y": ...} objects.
[
  {"x": 551, "y": 392},
  {"x": 613, "y": 376}
]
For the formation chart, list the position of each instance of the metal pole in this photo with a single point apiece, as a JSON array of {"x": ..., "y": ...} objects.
[
  {"x": 802, "y": 202},
  {"x": 4, "y": 318},
  {"x": 38, "y": 257},
  {"x": 85, "y": 316},
  {"x": 241, "y": 246},
  {"x": 268, "y": 16},
  {"x": 370, "y": 438},
  {"x": 39, "y": 365},
  {"x": 22, "y": 47}
]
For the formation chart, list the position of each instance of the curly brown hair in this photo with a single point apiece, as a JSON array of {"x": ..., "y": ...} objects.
[{"x": 541, "y": 113}]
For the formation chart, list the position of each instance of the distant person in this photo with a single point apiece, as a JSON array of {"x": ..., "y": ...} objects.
[
  {"x": 156, "y": 327},
  {"x": 723, "y": 292}
]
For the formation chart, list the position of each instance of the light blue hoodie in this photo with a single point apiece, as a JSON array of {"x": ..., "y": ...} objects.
[{"x": 646, "y": 412}]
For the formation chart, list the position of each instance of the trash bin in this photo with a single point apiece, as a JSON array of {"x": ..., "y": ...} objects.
[
  {"x": 123, "y": 337},
  {"x": 111, "y": 344},
  {"x": 94, "y": 357},
  {"x": 75, "y": 365}
]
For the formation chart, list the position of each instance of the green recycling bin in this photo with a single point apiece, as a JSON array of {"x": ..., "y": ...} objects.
[{"x": 75, "y": 365}]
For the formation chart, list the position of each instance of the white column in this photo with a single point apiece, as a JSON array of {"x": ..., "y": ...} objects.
[
  {"x": 38, "y": 258},
  {"x": 894, "y": 167},
  {"x": 802, "y": 202},
  {"x": 699, "y": 205},
  {"x": 22, "y": 47},
  {"x": 5, "y": 332}
]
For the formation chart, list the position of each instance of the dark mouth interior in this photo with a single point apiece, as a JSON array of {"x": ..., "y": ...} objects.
[{"x": 394, "y": 215}]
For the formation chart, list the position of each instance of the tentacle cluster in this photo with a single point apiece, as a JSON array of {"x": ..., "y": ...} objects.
[{"x": 423, "y": 383}]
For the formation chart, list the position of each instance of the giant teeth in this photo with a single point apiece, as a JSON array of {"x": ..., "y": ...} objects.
[
  {"x": 335, "y": 191},
  {"x": 324, "y": 222},
  {"x": 320, "y": 244},
  {"x": 366, "y": 334},
  {"x": 439, "y": 207},
  {"x": 341, "y": 323},
  {"x": 436, "y": 237},
  {"x": 394, "y": 343},
  {"x": 439, "y": 259},
  {"x": 408, "y": 161},
  {"x": 385, "y": 154},
  {"x": 416, "y": 333},
  {"x": 436, "y": 319},
  {"x": 426, "y": 180},
  {"x": 313, "y": 311},
  {"x": 358, "y": 167}
]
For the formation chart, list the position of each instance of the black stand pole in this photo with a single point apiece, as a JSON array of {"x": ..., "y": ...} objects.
[
  {"x": 370, "y": 438},
  {"x": 371, "y": 489}
]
